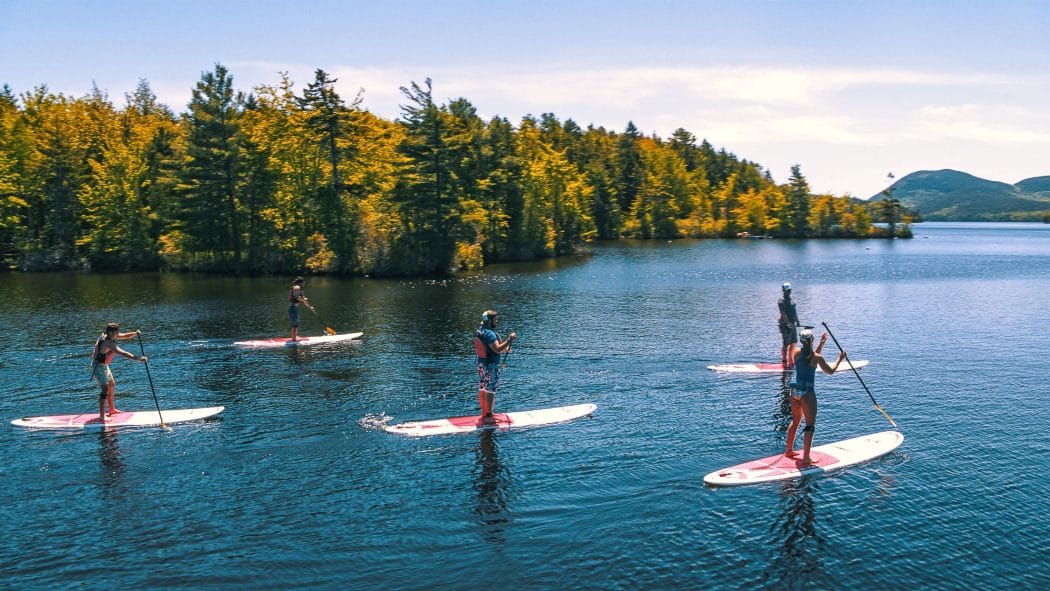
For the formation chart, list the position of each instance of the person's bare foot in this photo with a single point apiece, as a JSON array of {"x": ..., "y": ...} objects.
[
  {"x": 807, "y": 462},
  {"x": 791, "y": 454}
]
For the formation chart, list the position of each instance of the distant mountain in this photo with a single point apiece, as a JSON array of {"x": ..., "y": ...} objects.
[{"x": 950, "y": 195}]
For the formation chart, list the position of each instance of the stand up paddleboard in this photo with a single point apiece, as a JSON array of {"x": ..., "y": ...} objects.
[
  {"x": 828, "y": 458},
  {"x": 772, "y": 367},
  {"x": 302, "y": 342},
  {"x": 144, "y": 418},
  {"x": 501, "y": 421}
]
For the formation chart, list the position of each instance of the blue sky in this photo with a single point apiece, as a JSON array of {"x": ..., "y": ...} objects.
[{"x": 850, "y": 90}]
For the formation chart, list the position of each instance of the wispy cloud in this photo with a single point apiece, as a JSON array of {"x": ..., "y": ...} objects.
[{"x": 820, "y": 116}]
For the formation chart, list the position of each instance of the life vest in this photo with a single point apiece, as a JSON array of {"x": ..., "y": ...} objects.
[
  {"x": 480, "y": 348},
  {"x": 294, "y": 299},
  {"x": 97, "y": 356}
]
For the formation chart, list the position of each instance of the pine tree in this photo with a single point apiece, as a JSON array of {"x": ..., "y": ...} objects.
[
  {"x": 13, "y": 147},
  {"x": 629, "y": 167},
  {"x": 209, "y": 215},
  {"x": 796, "y": 219},
  {"x": 425, "y": 193}
]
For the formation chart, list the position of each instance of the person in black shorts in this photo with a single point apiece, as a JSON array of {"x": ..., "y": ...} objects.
[{"x": 788, "y": 325}]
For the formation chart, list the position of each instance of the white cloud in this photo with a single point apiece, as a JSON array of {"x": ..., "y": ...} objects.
[
  {"x": 845, "y": 126},
  {"x": 990, "y": 124}
]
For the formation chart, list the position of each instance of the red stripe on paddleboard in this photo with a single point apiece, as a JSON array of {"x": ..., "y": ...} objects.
[
  {"x": 476, "y": 421},
  {"x": 779, "y": 464},
  {"x": 83, "y": 419}
]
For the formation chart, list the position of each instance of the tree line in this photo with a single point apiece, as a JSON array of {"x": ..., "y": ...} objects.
[{"x": 275, "y": 180}]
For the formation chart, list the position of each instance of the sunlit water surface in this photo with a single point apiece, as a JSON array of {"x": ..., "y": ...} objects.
[{"x": 295, "y": 485}]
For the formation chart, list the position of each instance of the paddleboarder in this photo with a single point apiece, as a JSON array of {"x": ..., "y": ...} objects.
[
  {"x": 802, "y": 393},
  {"x": 488, "y": 346},
  {"x": 105, "y": 348},
  {"x": 788, "y": 325},
  {"x": 296, "y": 296}
]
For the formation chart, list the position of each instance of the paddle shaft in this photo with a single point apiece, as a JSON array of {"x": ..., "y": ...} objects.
[
  {"x": 503, "y": 361},
  {"x": 151, "y": 388},
  {"x": 327, "y": 329},
  {"x": 856, "y": 373}
]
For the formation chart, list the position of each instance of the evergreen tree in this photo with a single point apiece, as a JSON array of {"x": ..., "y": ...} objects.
[
  {"x": 795, "y": 222},
  {"x": 425, "y": 193},
  {"x": 684, "y": 144},
  {"x": 629, "y": 167},
  {"x": 597, "y": 159},
  {"x": 210, "y": 216}
]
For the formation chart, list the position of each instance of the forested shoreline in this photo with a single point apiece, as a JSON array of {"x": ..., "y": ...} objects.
[{"x": 282, "y": 181}]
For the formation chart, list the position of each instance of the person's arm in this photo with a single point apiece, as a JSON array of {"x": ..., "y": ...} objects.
[
  {"x": 128, "y": 335},
  {"x": 828, "y": 369},
  {"x": 124, "y": 353},
  {"x": 823, "y": 339},
  {"x": 305, "y": 300},
  {"x": 502, "y": 346}
]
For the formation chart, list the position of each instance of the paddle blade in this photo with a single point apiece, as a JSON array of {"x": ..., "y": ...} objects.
[{"x": 329, "y": 330}]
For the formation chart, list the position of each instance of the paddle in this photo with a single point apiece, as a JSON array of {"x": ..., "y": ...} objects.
[
  {"x": 152, "y": 389},
  {"x": 327, "y": 329},
  {"x": 877, "y": 407},
  {"x": 503, "y": 361}
]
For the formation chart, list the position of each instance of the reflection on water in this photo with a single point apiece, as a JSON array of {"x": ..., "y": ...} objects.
[
  {"x": 112, "y": 461},
  {"x": 797, "y": 546},
  {"x": 491, "y": 484},
  {"x": 632, "y": 328},
  {"x": 782, "y": 414}
]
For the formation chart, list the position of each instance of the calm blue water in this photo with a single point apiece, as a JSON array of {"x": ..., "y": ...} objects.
[{"x": 295, "y": 486}]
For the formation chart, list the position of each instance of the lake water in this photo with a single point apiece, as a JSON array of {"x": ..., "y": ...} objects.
[{"x": 295, "y": 485}]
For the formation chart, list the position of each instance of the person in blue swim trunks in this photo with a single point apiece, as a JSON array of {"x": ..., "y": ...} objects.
[
  {"x": 803, "y": 395},
  {"x": 488, "y": 346}
]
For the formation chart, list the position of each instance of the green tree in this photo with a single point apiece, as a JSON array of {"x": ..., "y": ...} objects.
[
  {"x": 426, "y": 192},
  {"x": 14, "y": 144},
  {"x": 331, "y": 122},
  {"x": 556, "y": 197},
  {"x": 795, "y": 220},
  {"x": 665, "y": 197},
  {"x": 630, "y": 168},
  {"x": 597, "y": 157},
  {"x": 210, "y": 216},
  {"x": 117, "y": 221}
]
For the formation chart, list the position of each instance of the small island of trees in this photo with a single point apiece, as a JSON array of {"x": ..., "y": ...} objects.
[{"x": 276, "y": 181}]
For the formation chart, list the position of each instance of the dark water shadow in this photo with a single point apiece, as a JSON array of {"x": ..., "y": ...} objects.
[
  {"x": 491, "y": 485},
  {"x": 781, "y": 418},
  {"x": 111, "y": 460},
  {"x": 796, "y": 557}
]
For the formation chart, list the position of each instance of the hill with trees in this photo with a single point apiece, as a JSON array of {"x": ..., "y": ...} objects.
[{"x": 950, "y": 195}]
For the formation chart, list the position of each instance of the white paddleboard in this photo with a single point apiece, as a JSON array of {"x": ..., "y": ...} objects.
[
  {"x": 144, "y": 418},
  {"x": 775, "y": 367},
  {"x": 828, "y": 457},
  {"x": 302, "y": 342},
  {"x": 501, "y": 421}
]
